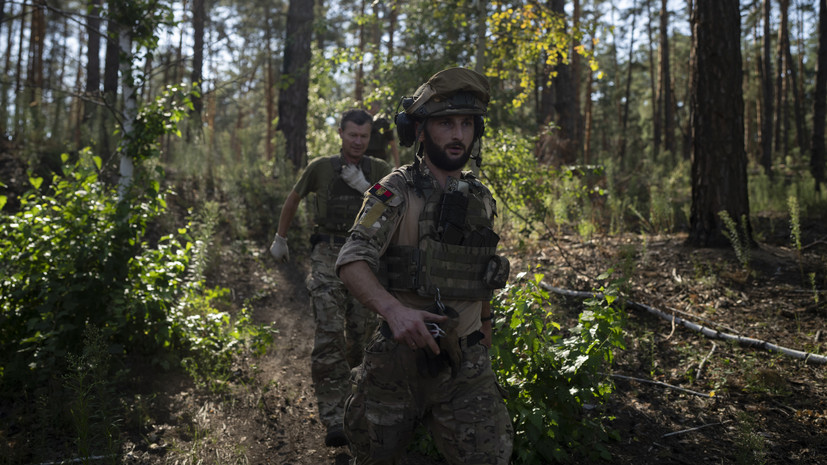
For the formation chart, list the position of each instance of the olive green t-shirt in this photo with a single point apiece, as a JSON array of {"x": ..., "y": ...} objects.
[{"x": 321, "y": 172}]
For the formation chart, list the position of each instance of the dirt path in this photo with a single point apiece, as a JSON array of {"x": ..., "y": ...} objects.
[{"x": 287, "y": 427}]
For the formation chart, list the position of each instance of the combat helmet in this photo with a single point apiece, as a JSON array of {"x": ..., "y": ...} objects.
[{"x": 453, "y": 91}]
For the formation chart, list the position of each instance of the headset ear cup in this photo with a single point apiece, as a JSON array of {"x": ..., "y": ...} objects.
[
  {"x": 405, "y": 129},
  {"x": 479, "y": 127}
]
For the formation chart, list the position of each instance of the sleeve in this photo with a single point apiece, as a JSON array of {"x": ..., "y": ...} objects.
[
  {"x": 376, "y": 223},
  {"x": 308, "y": 181},
  {"x": 381, "y": 168}
]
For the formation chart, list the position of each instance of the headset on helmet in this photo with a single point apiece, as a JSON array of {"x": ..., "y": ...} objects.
[
  {"x": 451, "y": 91},
  {"x": 406, "y": 125}
]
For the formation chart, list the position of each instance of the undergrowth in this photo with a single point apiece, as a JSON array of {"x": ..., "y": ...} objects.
[
  {"x": 554, "y": 380},
  {"x": 88, "y": 282}
]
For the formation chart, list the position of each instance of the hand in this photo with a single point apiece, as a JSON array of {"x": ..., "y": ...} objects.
[
  {"x": 408, "y": 327},
  {"x": 354, "y": 178},
  {"x": 279, "y": 249}
]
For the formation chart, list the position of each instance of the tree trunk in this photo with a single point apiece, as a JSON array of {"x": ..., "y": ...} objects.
[
  {"x": 779, "y": 92},
  {"x": 60, "y": 121},
  {"x": 719, "y": 175},
  {"x": 293, "y": 97},
  {"x": 18, "y": 75},
  {"x": 34, "y": 76},
  {"x": 558, "y": 145},
  {"x": 130, "y": 108},
  {"x": 767, "y": 103},
  {"x": 482, "y": 6},
  {"x": 392, "y": 20},
  {"x": 665, "y": 92},
  {"x": 749, "y": 111},
  {"x": 270, "y": 91},
  {"x": 624, "y": 120},
  {"x": 93, "y": 62},
  {"x": 576, "y": 65},
  {"x": 653, "y": 85},
  {"x": 199, "y": 17},
  {"x": 820, "y": 99},
  {"x": 358, "y": 94},
  {"x": 791, "y": 80},
  {"x": 4, "y": 85},
  {"x": 112, "y": 63},
  {"x": 588, "y": 112},
  {"x": 321, "y": 33}
]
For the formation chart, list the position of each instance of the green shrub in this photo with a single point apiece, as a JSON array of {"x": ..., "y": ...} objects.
[
  {"x": 554, "y": 382},
  {"x": 78, "y": 255},
  {"x": 72, "y": 257}
]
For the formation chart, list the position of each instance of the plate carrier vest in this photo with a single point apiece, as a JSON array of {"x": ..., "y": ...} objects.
[
  {"x": 456, "y": 243},
  {"x": 343, "y": 201}
]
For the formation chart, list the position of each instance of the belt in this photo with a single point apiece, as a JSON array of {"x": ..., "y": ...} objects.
[
  {"x": 468, "y": 341},
  {"x": 330, "y": 239}
]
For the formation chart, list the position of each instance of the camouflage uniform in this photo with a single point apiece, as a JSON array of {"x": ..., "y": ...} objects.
[
  {"x": 462, "y": 407},
  {"x": 343, "y": 325}
]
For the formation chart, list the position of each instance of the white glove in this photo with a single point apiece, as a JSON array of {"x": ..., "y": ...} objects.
[
  {"x": 354, "y": 178},
  {"x": 279, "y": 250}
]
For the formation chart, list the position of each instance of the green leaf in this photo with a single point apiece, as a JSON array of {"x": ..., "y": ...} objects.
[{"x": 36, "y": 182}]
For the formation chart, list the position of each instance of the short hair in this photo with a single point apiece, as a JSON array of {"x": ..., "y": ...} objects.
[{"x": 357, "y": 116}]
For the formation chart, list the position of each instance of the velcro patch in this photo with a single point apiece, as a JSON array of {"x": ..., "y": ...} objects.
[{"x": 381, "y": 192}]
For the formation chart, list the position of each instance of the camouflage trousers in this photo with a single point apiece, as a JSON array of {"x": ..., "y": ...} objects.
[
  {"x": 465, "y": 415},
  {"x": 343, "y": 328}
]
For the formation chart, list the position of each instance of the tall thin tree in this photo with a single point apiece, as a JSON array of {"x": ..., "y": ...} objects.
[
  {"x": 624, "y": 122},
  {"x": 791, "y": 79},
  {"x": 766, "y": 102},
  {"x": 820, "y": 100},
  {"x": 665, "y": 82},
  {"x": 199, "y": 18},
  {"x": 293, "y": 95},
  {"x": 93, "y": 61}
]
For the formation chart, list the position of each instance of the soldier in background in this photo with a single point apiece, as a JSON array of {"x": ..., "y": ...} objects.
[
  {"x": 382, "y": 141},
  {"x": 422, "y": 255},
  {"x": 343, "y": 325}
]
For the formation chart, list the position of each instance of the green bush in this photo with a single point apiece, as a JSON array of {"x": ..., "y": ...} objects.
[
  {"x": 554, "y": 382},
  {"x": 72, "y": 257},
  {"x": 78, "y": 255}
]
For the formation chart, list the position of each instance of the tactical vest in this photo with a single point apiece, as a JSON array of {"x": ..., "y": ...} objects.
[
  {"x": 343, "y": 201},
  {"x": 456, "y": 244}
]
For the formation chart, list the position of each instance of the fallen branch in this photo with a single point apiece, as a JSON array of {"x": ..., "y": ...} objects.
[
  {"x": 703, "y": 362},
  {"x": 807, "y": 357},
  {"x": 661, "y": 383},
  {"x": 695, "y": 428}
]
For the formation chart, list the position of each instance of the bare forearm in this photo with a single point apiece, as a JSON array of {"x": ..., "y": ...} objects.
[
  {"x": 407, "y": 324},
  {"x": 363, "y": 285},
  {"x": 288, "y": 211}
]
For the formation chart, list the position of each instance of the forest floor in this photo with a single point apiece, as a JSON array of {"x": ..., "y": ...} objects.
[{"x": 766, "y": 408}]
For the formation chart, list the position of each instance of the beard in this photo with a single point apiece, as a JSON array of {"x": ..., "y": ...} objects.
[{"x": 439, "y": 157}]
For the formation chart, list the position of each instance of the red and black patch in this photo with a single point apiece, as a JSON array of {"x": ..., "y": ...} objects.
[{"x": 381, "y": 192}]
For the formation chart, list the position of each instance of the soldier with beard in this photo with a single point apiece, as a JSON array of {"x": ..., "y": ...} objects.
[{"x": 422, "y": 255}]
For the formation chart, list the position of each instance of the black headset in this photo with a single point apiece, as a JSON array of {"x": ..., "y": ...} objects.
[{"x": 406, "y": 125}]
